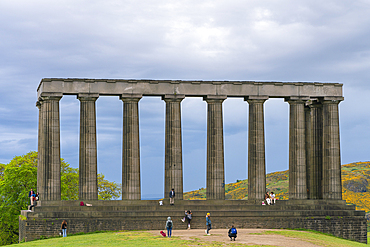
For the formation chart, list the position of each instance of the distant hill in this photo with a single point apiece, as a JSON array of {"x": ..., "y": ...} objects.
[{"x": 355, "y": 186}]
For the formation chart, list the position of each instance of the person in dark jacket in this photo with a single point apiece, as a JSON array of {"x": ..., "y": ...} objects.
[
  {"x": 232, "y": 233},
  {"x": 172, "y": 197}
]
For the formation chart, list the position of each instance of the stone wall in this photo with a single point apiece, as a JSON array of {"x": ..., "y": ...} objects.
[{"x": 341, "y": 221}]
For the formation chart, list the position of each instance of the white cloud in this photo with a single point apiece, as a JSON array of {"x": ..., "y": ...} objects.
[{"x": 205, "y": 40}]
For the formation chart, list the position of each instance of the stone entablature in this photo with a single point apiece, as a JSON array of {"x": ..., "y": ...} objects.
[{"x": 188, "y": 88}]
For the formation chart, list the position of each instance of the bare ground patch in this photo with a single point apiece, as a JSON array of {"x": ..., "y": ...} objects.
[{"x": 245, "y": 237}]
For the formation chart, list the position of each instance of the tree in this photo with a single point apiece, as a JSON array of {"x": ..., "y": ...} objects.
[
  {"x": 108, "y": 190},
  {"x": 20, "y": 175}
]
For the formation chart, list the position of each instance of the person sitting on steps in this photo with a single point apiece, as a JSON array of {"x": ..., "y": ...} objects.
[
  {"x": 267, "y": 198},
  {"x": 273, "y": 199}
]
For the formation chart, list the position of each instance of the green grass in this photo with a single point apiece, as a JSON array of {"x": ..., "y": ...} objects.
[
  {"x": 143, "y": 238},
  {"x": 317, "y": 238},
  {"x": 128, "y": 238}
]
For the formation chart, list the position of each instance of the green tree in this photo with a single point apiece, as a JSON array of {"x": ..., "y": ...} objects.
[
  {"x": 68, "y": 181},
  {"x": 108, "y": 190},
  {"x": 20, "y": 175}
]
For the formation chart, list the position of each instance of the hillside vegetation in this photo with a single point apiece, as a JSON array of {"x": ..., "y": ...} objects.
[{"x": 355, "y": 186}]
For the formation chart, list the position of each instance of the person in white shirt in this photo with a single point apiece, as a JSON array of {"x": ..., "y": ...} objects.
[{"x": 273, "y": 199}]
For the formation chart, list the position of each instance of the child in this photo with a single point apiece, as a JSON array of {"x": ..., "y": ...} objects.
[
  {"x": 208, "y": 223},
  {"x": 232, "y": 233},
  {"x": 169, "y": 225}
]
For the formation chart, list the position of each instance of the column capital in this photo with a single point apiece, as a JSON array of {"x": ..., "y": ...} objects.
[
  {"x": 297, "y": 99},
  {"x": 87, "y": 96},
  {"x": 256, "y": 98},
  {"x": 130, "y": 97},
  {"x": 51, "y": 96},
  {"x": 173, "y": 97},
  {"x": 214, "y": 98},
  {"x": 331, "y": 100}
]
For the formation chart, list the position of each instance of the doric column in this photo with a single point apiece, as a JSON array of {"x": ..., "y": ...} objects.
[
  {"x": 297, "y": 148},
  {"x": 307, "y": 116},
  {"x": 48, "y": 168},
  {"x": 131, "y": 148},
  {"x": 173, "y": 146},
  {"x": 215, "y": 149},
  {"x": 256, "y": 149},
  {"x": 316, "y": 126},
  {"x": 88, "y": 181},
  {"x": 332, "y": 183}
]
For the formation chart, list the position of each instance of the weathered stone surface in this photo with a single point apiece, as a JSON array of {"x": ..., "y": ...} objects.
[
  {"x": 315, "y": 152},
  {"x": 173, "y": 146},
  {"x": 48, "y": 167},
  {"x": 215, "y": 149},
  {"x": 188, "y": 88},
  {"x": 333, "y": 217},
  {"x": 297, "y": 149},
  {"x": 131, "y": 148},
  {"x": 332, "y": 182},
  {"x": 256, "y": 150},
  {"x": 88, "y": 180}
]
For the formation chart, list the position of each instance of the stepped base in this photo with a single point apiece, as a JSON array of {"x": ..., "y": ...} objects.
[{"x": 333, "y": 217}]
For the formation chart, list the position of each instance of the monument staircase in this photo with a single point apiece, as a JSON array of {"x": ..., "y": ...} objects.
[{"x": 328, "y": 216}]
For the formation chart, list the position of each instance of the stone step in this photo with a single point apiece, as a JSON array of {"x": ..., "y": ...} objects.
[
  {"x": 197, "y": 213},
  {"x": 179, "y": 207},
  {"x": 187, "y": 202}
]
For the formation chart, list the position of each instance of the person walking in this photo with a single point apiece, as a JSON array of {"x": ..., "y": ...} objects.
[
  {"x": 169, "y": 225},
  {"x": 208, "y": 223},
  {"x": 64, "y": 228},
  {"x": 172, "y": 197},
  {"x": 232, "y": 233}
]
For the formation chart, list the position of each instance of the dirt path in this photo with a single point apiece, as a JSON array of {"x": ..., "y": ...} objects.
[{"x": 245, "y": 236}]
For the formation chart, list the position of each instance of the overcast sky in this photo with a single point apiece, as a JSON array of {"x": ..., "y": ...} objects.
[{"x": 309, "y": 40}]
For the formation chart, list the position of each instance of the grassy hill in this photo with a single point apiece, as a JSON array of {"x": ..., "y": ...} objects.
[{"x": 355, "y": 189}]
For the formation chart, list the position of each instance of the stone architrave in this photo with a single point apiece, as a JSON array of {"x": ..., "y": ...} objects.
[
  {"x": 332, "y": 182},
  {"x": 88, "y": 181},
  {"x": 173, "y": 146},
  {"x": 256, "y": 149},
  {"x": 215, "y": 149},
  {"x": 316, "y": 169},
  {"x": 48, "y": 167},
  {"x": 131, "y": 148},
  {"x": 297, "y": 148}
]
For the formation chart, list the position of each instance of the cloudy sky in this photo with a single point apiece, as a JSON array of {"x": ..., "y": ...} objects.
[{"x": 324, "y": 41}]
